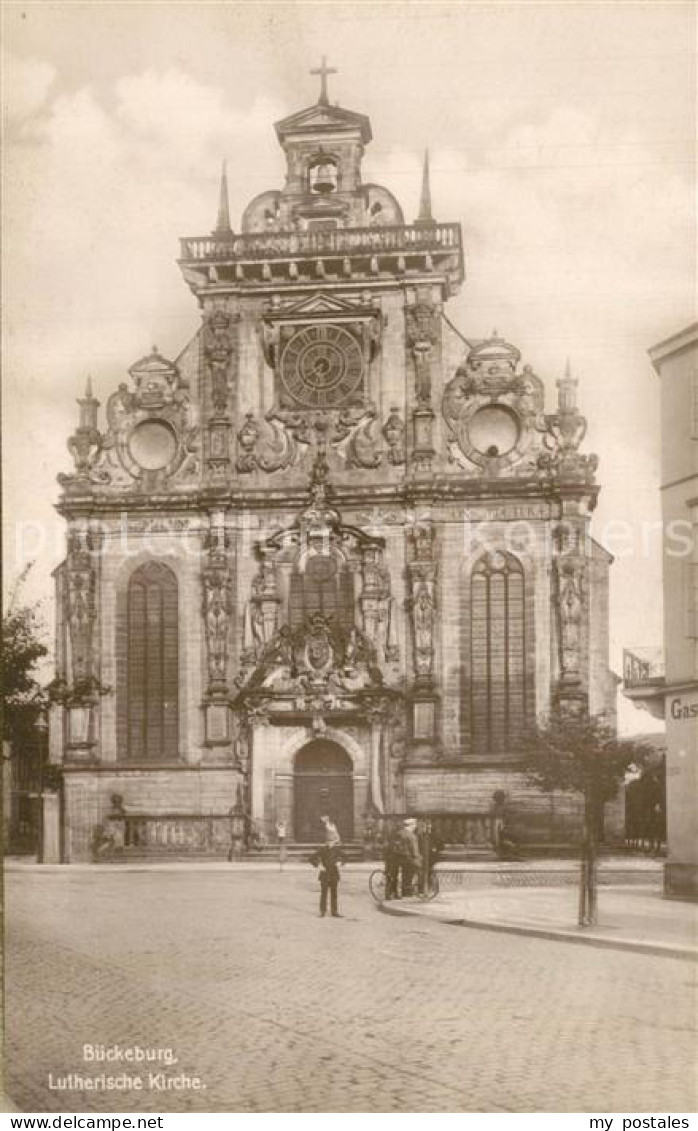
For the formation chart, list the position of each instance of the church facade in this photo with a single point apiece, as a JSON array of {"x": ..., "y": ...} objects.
[{"x": 332, "y": 558}]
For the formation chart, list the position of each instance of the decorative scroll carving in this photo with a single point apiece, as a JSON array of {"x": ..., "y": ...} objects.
[
  {"x": 317, "y": 658},
  {"x": 487, "y": 394},
  {"x": 279, "y": 442},
  {"x": 352, "y": 436},
  {"x": 277, "y": 447},
  {"x": 152, "y": 420}
]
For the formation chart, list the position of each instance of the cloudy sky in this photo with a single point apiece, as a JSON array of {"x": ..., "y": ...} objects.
[{"x": 561, "y": 138}]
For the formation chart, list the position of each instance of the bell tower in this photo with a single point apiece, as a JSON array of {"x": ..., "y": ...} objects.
[{"x": 323, "y": 146}]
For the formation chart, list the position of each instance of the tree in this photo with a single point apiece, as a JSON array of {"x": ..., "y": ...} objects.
[
  {"x": 23, "y": 697},
  {"x": 583, "y": 754}
]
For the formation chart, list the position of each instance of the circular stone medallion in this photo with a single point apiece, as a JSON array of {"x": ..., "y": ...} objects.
[
  {"x": 153, "y": 445},
  {"x": 493, "y": 431}
]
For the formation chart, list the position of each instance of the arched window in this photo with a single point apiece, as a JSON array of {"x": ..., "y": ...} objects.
[
  {"x": 321, "y": 584},
  {"x": 147, "y": 644},
  {"x": 498, "y": 685}
]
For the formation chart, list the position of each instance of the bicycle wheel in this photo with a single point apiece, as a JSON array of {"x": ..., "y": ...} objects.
[{"x": 376, "y": 885}]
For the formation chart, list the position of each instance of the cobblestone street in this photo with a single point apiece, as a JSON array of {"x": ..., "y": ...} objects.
[{"x": 278, "y": 1010}]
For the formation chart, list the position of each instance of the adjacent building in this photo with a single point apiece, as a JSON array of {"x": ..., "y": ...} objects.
[
  {"x": 332, "y": 557},
  {"x": 667, "y": 684}
]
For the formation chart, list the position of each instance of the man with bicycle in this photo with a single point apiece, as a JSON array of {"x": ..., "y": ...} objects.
[{"x": 410, "y": 860}]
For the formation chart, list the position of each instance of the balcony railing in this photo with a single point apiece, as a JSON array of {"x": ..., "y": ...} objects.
[
  {"x": 397, "y": 240},
  {"x": 643, "y": 667}
]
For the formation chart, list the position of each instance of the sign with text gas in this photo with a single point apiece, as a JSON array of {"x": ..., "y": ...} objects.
[{"x": 684, "y": 708}]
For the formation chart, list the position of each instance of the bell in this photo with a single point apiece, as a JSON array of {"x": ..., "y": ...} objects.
[{"x": 324, "y": 178}]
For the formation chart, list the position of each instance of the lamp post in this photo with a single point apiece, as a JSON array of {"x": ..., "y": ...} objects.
[{"x": 42, "y": 731}]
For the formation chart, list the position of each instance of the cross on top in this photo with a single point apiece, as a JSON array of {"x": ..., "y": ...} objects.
[{"x": 323, "y": 71}]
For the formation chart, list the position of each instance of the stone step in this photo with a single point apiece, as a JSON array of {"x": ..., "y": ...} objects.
[{"x": 354, "y": 850}]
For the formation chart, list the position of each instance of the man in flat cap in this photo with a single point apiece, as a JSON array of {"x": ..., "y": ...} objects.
[{"x": 410, "y": 859}]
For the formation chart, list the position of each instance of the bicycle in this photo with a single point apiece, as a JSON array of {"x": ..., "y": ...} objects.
[{"x": 377, "y": 884}]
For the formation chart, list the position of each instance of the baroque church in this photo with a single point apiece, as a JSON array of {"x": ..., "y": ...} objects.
[{"x": 331, "y": 559}]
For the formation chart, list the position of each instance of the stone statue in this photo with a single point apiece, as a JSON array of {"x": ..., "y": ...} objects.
[
  {"x": 218, "y": 349},
  {"x": 571, "y": 608},
  {"x": 423, "y": 616}
]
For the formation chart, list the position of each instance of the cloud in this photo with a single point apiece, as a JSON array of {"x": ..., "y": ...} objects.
[
  {"x": 26, "y": 85},
  {"x": 101, "y": 190},
  {"x": 173, "y": 121}
]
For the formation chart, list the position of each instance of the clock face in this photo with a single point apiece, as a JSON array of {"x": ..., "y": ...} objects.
[{"x": 321, "y": 366}]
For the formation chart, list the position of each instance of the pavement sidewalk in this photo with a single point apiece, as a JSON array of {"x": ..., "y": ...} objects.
[
  {"x": 480, "y": 871},
  {"x": 630, "y": 917}
]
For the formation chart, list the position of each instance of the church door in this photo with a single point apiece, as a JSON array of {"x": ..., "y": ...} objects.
[{"x": 323, "y": 783}]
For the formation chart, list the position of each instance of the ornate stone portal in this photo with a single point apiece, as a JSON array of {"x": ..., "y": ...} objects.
[{"x": 323, "y": 665}]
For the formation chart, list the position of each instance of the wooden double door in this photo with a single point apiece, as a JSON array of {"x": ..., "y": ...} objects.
[{"x": 323, "y": 784}]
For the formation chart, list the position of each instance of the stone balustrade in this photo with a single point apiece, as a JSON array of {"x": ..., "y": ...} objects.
[
  {"x": 177, "y": 833},
  {"x": 474, "y": 830},
  {"x": 397, "y": 240}
]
